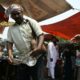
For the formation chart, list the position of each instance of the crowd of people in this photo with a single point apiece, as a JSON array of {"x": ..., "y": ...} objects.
[{"x": 38, "y": 58}]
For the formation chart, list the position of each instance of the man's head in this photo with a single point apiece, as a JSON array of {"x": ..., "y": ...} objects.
[
  {"x": 14, "y": 7},
  {"x": 16, "y": 12}
]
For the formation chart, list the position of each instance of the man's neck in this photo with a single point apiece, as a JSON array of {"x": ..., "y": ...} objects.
[{"x": 20, "y": 22}]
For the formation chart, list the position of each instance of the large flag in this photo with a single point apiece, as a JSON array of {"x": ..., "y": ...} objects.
[{"x": 66, "y": 29}]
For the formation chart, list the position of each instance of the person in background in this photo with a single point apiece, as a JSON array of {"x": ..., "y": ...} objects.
[
  {"x": 21, "y": 34},
  {"x": 2, "y": 46},
  {"x": 76, "y": 41},
  {"x": 2, "y": 60},
  {"x": 52, "y": 57}
]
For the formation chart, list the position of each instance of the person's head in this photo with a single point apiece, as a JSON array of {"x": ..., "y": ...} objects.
[
  {"x": 55, "y": 40},
  {"x": 76, "y": 38},
  {"x": 16, "y": 12}
]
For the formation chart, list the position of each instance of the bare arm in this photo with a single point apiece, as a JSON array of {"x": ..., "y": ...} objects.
[
  {"x": 40, "y": 41},
  {"x": 10, "y": 50},
  {"x": 37, "y": 44},
  {"x": 1, "y": 51},
  {"x": 37, "y": 49}
]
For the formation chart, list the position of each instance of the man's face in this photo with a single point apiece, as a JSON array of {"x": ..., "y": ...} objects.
[{"x": 17, "y": 15}]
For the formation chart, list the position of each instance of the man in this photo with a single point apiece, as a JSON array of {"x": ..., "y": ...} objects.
[
  {"x": 21, "y": 34},
  {"x": 52, "y": 57}
]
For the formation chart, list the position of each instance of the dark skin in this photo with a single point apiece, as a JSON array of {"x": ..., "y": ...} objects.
[{"x": 18, "y": 17}]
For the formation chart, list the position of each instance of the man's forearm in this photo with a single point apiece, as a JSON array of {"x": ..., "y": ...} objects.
[
  {"x": 10, "y": 52},
  {"x": 40, "y": 42},
  {"x": 9, "y": 47}
]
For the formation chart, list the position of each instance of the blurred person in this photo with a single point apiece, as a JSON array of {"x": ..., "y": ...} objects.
[
  {"x": 2, "y": 46},
  {"x": 21, "y": 34},
  {"x": 3, "y": 61},
  {"x": 69, "y": 55},
  {"x": 52, "y": 57}
]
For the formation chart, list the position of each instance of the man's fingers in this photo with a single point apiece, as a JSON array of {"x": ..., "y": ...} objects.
[{"x": 10, "y": 60}]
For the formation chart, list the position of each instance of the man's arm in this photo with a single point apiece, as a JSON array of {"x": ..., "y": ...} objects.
[
  {"x": 10, "y": 50},
  {"x": 37, "y": 50},
  {"x": 40, "y": 41}
]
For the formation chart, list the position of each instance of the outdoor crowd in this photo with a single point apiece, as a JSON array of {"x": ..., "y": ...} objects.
[{"x": 28, "y": 55}]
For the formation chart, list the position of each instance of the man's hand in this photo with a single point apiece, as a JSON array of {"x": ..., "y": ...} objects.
[
  {"x": 10, "y": 58},
  {"x": 36, "y": 52}
]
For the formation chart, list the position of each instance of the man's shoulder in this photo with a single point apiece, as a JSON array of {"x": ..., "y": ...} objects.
[
  {"x": 28, "y": 18},
  {"x": 31, "y": 20}
]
